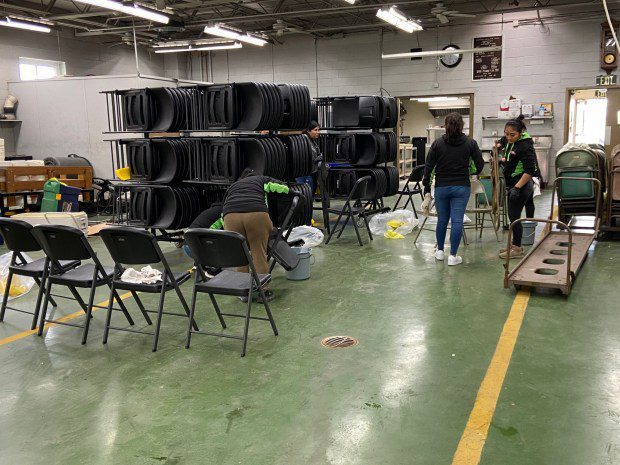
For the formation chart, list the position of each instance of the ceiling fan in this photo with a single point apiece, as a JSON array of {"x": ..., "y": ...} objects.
[
  {"x": 443, "y": 14},
  {"x": 280, "y": 27}
]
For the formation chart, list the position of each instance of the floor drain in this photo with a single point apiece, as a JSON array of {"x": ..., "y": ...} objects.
[{"x": 339, "y": 342}]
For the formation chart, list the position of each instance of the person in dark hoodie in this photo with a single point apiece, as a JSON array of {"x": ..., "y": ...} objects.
[
  {"x": 450, "y": 160},
  {"x": 520, "y": 167},
  {"x": 245, "y": 211}
]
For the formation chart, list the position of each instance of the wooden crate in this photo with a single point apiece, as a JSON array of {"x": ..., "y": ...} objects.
[{"x": 74, "y": 176}]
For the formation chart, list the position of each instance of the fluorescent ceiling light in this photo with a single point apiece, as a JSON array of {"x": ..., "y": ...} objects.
[
  {"x": 200, "y": 48},
  {"x": 230, "y": 34},
  {"x": 440, "y": 98},
  {"x": 133, "y": 10},
  {"x": 439, "y": 53},
  {"x": 352, "y": 2},
  {"x": 19, "y": 24},
  {"x": 396, "y": 18}
]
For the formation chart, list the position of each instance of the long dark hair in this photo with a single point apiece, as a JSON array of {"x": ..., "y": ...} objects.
[
  {"x": 313, "y": 125},
  {"x": 517, "y": 124},
  {"x": 454, "y": 126}
]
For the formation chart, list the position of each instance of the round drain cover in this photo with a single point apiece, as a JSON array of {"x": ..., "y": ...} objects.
[{"x": 339, "y": 342}]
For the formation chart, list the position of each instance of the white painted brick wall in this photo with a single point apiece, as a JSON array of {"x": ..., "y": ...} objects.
[{"x": 538, "y": 67}]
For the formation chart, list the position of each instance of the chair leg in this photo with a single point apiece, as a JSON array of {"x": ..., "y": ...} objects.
[
  {"x": 184, "y": 303},
  {"x": 420, "y": 228},
  {"x": 5, "y": 298},
  {"x": 192, "y": 311},
  {"x": 331, "y": 233},
  {"x": 40, "y": 283},
  {"x": 141, "y": 307},
  {"x": 160, "y": 312},
  {"x": 344, "y": 226},
  {"x": 37, "y": 307},
  {"x": 89, "y": 310},
  {"x": 48, "y": 291},
  {"x": 357, "y": 231},
  {"x": 78, "y": 298},
  {"x": 246, "y": 326},
  {"x": 268, "y": 310},
  {"x": 121, "y": 304},
  {"x": 481, "y": 225},
  {"x": 367, "y": 225},
  {"x": 398, "y": 201},
  {"x": 217, "y": 310},
  {"x": 108, "y": 317}
]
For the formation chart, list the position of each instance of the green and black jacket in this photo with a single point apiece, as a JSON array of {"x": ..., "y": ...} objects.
[
  {"x": 249, "y": 195},
  {"x": 520, "y": 158}
]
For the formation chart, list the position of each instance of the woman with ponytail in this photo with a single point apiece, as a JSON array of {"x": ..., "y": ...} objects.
[
  {"x": 448, "y": 161},
  {"x": 520, "y": 167}
]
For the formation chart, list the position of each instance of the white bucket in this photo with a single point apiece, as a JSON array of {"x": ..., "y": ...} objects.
[
  {"x": 302, "y": 271},
  {"x": 529, "y": 232}
]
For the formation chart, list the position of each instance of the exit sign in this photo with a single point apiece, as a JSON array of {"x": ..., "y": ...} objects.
[{"x": 607, "y": 80}]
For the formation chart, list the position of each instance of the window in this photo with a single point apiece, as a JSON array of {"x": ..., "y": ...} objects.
[{"x": 31, "y": 69}]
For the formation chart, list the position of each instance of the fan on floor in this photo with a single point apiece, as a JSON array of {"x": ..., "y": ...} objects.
[{"x": 443, "y": 14}]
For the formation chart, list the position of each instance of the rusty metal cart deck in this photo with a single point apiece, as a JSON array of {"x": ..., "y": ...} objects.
[{"x": 556, "y": 259}]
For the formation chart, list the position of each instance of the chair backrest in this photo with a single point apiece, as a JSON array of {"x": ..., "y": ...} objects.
[
  {"x": 217, "y": 249},
  {"x": 417, "y": 174},
  {"x": 18, "y": 235},
  {"x": 477, "y": 187},
  {"x": 359, "y": 188},
  {"x": 131, "y": 246},
  {"x": 63, "y": 242}
]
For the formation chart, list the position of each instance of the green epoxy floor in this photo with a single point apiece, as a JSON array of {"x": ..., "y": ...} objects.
[{"x": 402, "y": 396}]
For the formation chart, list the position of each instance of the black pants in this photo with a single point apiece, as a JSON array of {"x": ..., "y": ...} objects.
[{"x": 515, "y": 207}]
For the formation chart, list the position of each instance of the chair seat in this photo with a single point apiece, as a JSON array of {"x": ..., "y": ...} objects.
[
  {"x": 354, "y": 210},
  {"x": 407, "y": 192},
  {"x": 82, "y": 276},
  {"x": 179, "y": 277},
  {"x": 230, "y": 282},
  {"x": 35, "y": 268}
]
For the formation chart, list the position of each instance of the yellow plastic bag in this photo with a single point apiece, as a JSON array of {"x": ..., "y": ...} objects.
[
  {"x": 395, "y": 224},
  {"x": 124, "y": 174},
  {"x": 20, "y": 285},
  {"x": 393, "y": 235}
]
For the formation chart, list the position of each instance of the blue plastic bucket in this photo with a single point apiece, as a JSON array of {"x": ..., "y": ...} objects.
[{"x": 302, "y": 271}]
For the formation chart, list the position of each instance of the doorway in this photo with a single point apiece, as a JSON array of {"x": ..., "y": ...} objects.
[
  {"x": 421, "y": 123},
  {"x": 587, "y": 116}
]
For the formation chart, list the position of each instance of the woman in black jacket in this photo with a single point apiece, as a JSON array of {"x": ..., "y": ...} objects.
[
  {"x": 520, "y": 167},
  {"x": 449, "y": 161}
]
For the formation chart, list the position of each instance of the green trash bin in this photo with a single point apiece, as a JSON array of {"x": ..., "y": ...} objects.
[{"x": 58, "y": 197}]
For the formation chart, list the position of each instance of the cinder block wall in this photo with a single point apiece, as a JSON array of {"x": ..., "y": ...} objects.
[{"x": 538, "y": 66}]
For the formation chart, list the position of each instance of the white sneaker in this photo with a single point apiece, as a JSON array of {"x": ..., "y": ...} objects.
[
  {"x": 439, "y": 255},
  {"x": 454, "y": 260}
]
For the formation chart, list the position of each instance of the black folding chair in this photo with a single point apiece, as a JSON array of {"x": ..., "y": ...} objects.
[
  {"x": 225, "y": 249},
  {"x": 19, "y": 240},
  {"x": 415, "y": 178},
  {"x": 130, "y": 246},
  {"x": 351, "y": 209},
  {"x": 278, "y": 248},
  {"x": 67, "y": 243}
]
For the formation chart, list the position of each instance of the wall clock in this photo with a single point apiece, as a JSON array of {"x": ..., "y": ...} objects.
[{"x": 452, "y": 60}]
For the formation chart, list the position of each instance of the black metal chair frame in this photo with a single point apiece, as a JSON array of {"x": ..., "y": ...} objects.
[
  {"x": 414, "y": 177},
  {"x": 283, "y": 232},
  {"x": 52, "y": 276},
  {"x": 351, "y": 210},
  {"x": 169, "y": 281},
  {"x": 192, "y": 237},
  {"x": 18, "y": 266}
]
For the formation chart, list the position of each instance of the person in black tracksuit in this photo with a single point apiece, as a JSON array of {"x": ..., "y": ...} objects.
[
  {"x": 520, "y": 167},
  {"x": 451, "y": 160}
]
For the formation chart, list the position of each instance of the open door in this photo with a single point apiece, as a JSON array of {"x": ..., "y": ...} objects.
[{"x": 612, "y": 123}]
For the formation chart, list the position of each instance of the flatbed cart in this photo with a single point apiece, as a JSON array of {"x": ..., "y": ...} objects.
[{"x": 555, "y": 260}]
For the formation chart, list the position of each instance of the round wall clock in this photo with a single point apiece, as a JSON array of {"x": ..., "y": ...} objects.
[{"x": 452, "y": 60}]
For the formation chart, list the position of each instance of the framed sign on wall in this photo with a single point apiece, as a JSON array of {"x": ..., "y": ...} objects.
[{"x": 487, "y": 65}]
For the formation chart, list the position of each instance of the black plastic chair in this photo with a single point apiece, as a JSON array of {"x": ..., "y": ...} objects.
[
  {"x": 351, "y": 209},
  {"x": 277, "y": 247},
  {"x": 67, "y": 243},
  {"x": 19, "y": 240},
  {"x": 130, "y": 246},
  {"x": 415, "y": 178},
  {"x": 225, "y": 249}
]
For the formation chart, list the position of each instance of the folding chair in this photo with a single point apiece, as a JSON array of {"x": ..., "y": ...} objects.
[
  {"x": 278, "y": 247},
  {"x": 130, "y": 246},
  {"x": 481, "y": 208},
  {"x": 351, "y": 210},
  {"x": 415, "y": 176},
  {"x": 19, "y": 239},
  {"x": 434, "y": 215},
  {"x": 67, "y": 243},
  {"x": 225, "y": 249}
]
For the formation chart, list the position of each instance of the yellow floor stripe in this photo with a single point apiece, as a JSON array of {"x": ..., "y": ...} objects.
[
  {"x": 72, "y": 316},
  {"x": 474, "y": 437}
]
